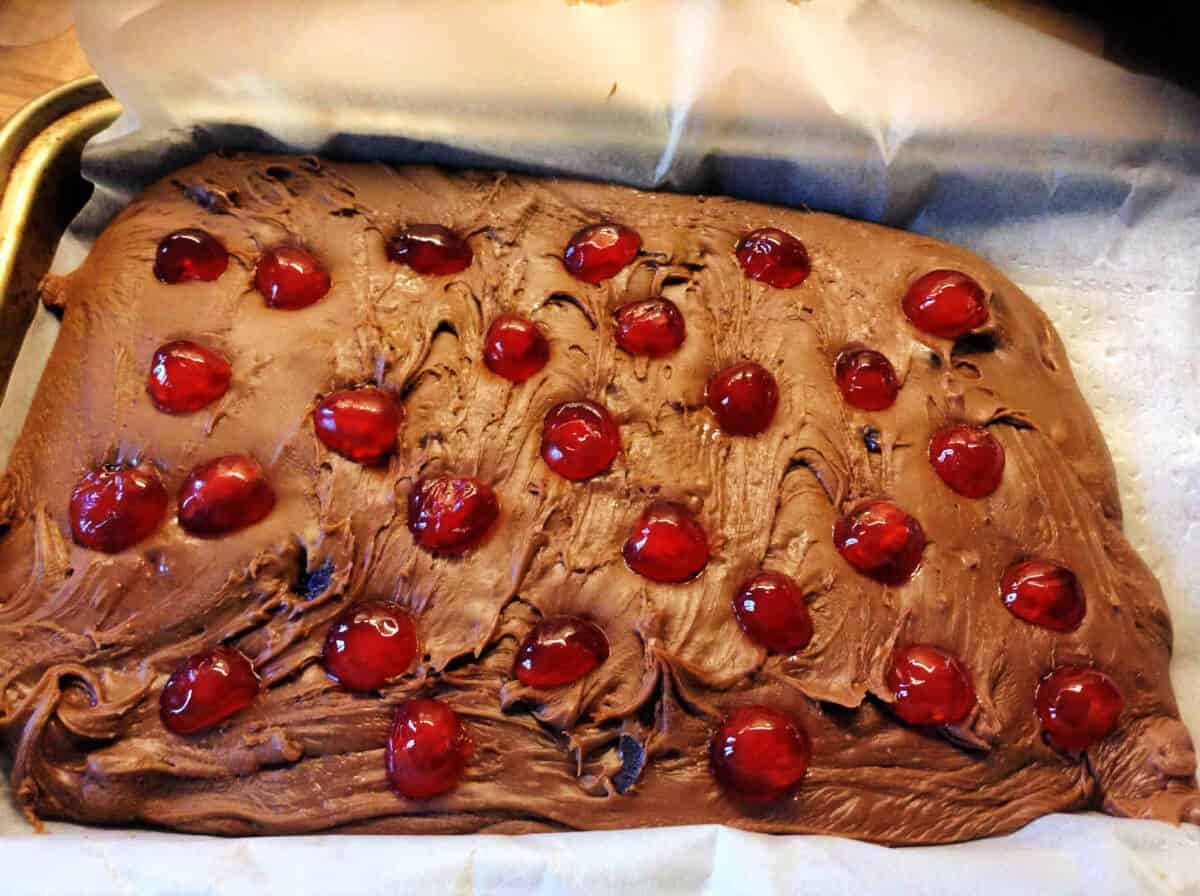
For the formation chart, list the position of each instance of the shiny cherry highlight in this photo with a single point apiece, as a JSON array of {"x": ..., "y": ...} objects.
[
  {"x": 113, "y": 508},
  {"x": 428, "y": 749},
  {"x": 206, "y": 689},
  {"x": 881, "y": 541},
  {"x": 759, "y": 754},
  {"x": 580, "y": 439},
  {"x": 666, "y": 544},
  {"x": 560, "y": 650},
  {"x": 369, "y": 644},
  {"x": 451, "y": 514},
  {"x": 359, "y": 424}
]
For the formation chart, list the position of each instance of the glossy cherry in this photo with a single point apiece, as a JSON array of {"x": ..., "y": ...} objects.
[
  {"x": 515, "y": 348},
  {"x": 666, "y": 544},
  {"x": 601, "y": 251},
  {"x": 1078, "y": 706},
  {"x": 771, "y": 609},
  {"x": 968, "y": 458},
  {"x": 945, "y": 303},
  {"x": 185, "y": 377},
  {"x": 450, "y": 514},
  {"x": 743, "y": 398},
  {"x": 773, "y": 256},
  {"x": 560, "y": 650},
  {"x": 651, "y": 327},
  {"x": 290, "y": 278},
  {"x": 866, "y": 379},
  {"x": 359, "y": 424},
  {"x": 369, "y": 644},
  {"x": 206, "y": 689},
  {"x": 1044, "y": 593},
  {"x": 189, "y": 254},
  {"x": 428, "y": 749},
  {"x": 430, "y": 249},
  {"x": 930, "y": 686},
  {"x": 579, "y": 439},
  {"x": 880, "y": 540},
  {"x": 224, "y": 495},
  {"x": 113, "y": 508},
  {"x": 759, "y": 754}
]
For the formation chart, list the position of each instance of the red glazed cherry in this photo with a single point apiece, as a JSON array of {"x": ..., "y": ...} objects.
[
  {"x": 667, "y": 544},
  {"x": 113, "y": 508},
  {"x": 290, "y": 278},
  {"x": 946, "y": 303},
  {"x": 224, "y": 495},
  {"x": 931, "y": 687},
  {"x": 427, "y": 750},
  {"x": 774, "y": 257},
  {"x": 515, "y": 348},
  {"x": 560, "y": 650},
  {"x": 759, "y": 754},
  {"x": 743, "y": 398},
  {"x": 880, "y": 540},
  {"x": 359, "y": 424},
  {"x": 369, "y": 644},
  {"x": 448, "y": 514},
  {"x": 579, "y": 439},
  {"x": 189, "y": 255},
  {"x": 1078, "y": 706},
  {"x": 597, "y": 253},
  {"x": 968, "y": 458},
  {"x": 185, "y": 377},
  {"x": 430, "y": 249},
  {"x": 866, "y": 379},
  {"x": 1045, "y": 594},
  {"x": 207, "y": 689},
  {"x": 771, "y": 609},
  {"x": 651, "y": 327}
]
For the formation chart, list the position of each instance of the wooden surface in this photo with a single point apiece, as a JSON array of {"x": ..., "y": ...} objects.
[{"x": 38, "y": 49}]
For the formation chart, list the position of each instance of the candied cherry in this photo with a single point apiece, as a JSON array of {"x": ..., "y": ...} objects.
[
  {"x": 881, "y": 541},
  {"x": 224, "y": 495},
  {"x": 428, "y": 749},
  {"x": 515, "y": 348},
  {"x": 773, "y": 256},
  {"x": 771, "y": 609},
  {"x": 968, "y": 458},
  {"x": 113, "y": 508},
  {"x": 369, "y": 644},
  {"x": 1078, "y": 706},
  {"x": 601, "y": 251},
  {"x": 185, "y": 377},
  {"x": 944, "y": 303},
  {"x": 430, "y": 249},
  {"x": 290, "y": 278},
  {"x": 651, "y": 327},
  {"x": 667, "y": 544},
  {"x": 450, "y": 514},
  {"x": 579, "y": 439},
  {"x": 206, "y": 689},
  {"x": 930, "y": 686},
  {"x": 1044, "y": 593},
  {"x": 743, "y": 398},
  {"x": 560, "y": 650},
  {"x": 189, "y": 254},
  {"x": 759, "y": 754},
  {"x": 359, "y": 424},
  {"x": 866, "y": 379}
]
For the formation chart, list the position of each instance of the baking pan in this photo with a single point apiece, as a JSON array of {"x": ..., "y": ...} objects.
[{"x": 41, "y": 190}]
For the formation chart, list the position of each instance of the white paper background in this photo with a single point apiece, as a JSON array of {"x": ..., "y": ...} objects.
[{"x": 1078, "y": 179}]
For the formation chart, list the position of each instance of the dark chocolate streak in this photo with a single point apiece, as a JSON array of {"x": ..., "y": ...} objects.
[{"x": 87, "y": 641}]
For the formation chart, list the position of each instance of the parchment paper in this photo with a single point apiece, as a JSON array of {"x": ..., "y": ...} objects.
[{"x": 1077, "y": 178}]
